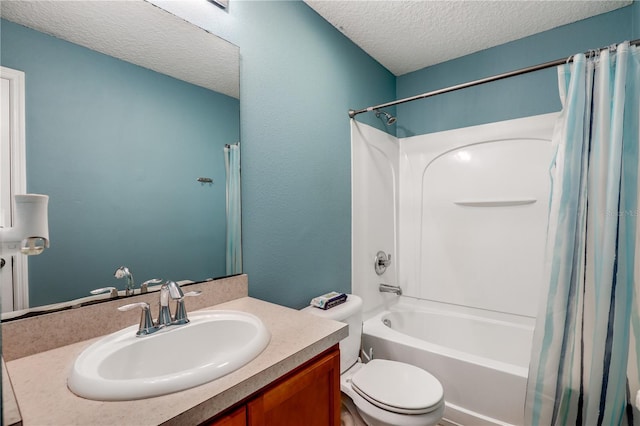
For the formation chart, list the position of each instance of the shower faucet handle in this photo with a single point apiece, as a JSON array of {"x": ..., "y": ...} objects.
[{"x": 381, "y": 262}]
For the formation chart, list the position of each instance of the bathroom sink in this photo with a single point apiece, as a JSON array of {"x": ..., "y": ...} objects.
[{"x": 122, "y": 367}]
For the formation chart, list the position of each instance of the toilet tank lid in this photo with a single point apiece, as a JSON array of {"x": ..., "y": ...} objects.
[{"x": 339, "y": 312}]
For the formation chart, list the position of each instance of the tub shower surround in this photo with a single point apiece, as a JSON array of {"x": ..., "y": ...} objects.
[{"x": 463, "y": 212}]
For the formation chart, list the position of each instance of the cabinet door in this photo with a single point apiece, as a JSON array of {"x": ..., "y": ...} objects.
[
  {"x": 309, "y": 396},
  {"x": 235, "y": 418}
]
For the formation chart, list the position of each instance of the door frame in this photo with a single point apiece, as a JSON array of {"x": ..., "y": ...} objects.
[{"x": 18, "y": 174}]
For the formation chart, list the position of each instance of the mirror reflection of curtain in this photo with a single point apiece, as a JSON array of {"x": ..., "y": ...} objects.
[
  {"x": 234, "y": 229},
  {"x": 584, "y": 364}
]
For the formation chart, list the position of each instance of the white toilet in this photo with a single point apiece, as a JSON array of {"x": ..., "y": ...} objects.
[{"x": 386, "y": 393}]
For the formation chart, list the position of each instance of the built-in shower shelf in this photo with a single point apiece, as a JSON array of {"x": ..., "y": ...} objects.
[{"x": 495, "y": 203}]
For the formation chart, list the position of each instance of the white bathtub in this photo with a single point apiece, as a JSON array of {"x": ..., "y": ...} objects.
[{"x": 481, "y": 362}]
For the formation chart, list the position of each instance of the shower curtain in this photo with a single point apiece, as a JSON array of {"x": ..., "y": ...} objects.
[
  {"x": 584, "y": 367},
  {"x": 234, "y": 228}
]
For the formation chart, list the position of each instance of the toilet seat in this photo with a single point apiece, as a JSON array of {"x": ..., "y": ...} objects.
[{"x": 398, "y": 387}]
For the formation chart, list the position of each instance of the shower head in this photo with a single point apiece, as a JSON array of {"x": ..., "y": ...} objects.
[{"x": 390, "y": 118}]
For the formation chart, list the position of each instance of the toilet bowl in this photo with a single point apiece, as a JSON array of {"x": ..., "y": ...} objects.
[
  {"x": 391, "y": 393},
  {"x": 385, "y": 393}
]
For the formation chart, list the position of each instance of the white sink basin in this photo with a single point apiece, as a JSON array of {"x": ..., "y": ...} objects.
[{"x": 122, "y": 367}]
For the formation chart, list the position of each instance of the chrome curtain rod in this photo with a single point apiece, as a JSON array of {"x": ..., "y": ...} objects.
[{"x": 353, "y": 113}]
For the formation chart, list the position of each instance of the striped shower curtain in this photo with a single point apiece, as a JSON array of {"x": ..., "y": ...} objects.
[
  {"x": 234, "y": 211},
  {"x": 584, "y": 363}
]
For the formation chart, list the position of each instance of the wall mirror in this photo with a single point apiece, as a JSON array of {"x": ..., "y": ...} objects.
[{"x": 126, "y": 107}]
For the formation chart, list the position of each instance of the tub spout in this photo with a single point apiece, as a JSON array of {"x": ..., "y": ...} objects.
[{"x": 388, "y": 288}]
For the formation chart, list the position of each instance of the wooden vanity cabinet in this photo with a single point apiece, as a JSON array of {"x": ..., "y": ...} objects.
[
  {"x": 307, "y": 396},
  {"x": 237, "y": 417}
]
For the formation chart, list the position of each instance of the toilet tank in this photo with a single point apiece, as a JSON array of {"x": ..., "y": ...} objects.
[{"x": 349, "y": 312}]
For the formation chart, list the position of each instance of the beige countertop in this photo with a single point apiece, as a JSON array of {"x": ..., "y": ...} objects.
[
  {"x": 10, "y": 411},
  {"x": 40, "y": 380}
]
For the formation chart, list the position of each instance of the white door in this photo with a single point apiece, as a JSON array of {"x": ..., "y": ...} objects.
[
  {"x": 13, "y": 269},
  {"x": 6, "y": 272}
]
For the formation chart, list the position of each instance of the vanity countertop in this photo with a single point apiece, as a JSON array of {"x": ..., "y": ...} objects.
[{"x": 40, "y": 380}]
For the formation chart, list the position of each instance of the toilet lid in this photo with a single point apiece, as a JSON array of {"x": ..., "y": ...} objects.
[{"x": 398, "y": 387}]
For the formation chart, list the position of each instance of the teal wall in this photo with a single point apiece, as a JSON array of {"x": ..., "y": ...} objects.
[
  {"x": 521, "y": 96},
  {"x": 95, "y": 122},
  {"x": 299, "y": 77}
]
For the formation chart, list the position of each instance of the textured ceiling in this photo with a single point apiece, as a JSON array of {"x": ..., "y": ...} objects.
[
  {"x": 138, "y": 32},
  {"x": 405, "y": 36}
]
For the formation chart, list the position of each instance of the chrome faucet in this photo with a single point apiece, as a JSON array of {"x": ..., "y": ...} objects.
[
  {"x": 113, "y": 292},
  {"x": 388, "y": 288},
  {"x": 168, "y": 291},
  {"x": 124, "y": 272}
]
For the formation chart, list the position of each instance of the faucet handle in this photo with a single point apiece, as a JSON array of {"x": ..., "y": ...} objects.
[
  {"x": 146, "y": 321},
  {"x": 144, "y": 287},
  {"x": 112, "y": 290},
  {"x": 181, "y": 311}
]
